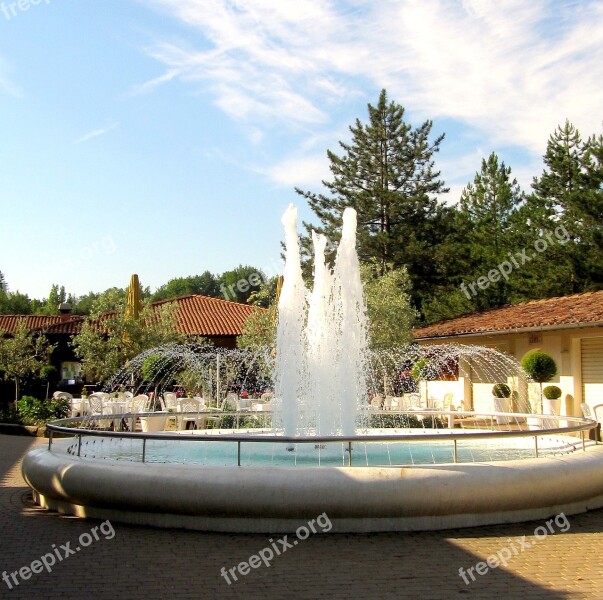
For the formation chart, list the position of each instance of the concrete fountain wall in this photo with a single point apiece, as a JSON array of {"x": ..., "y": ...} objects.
[{"x": 279, "y": 499}]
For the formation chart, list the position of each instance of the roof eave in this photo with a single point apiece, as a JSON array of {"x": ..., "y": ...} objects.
[{"x": 512, "y": 330}]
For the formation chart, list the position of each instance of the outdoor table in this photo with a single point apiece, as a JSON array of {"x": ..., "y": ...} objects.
[{"x": 79, "y": 406}]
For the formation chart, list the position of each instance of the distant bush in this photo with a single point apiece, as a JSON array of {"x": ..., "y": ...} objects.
[{"x": 32, "y": 411}]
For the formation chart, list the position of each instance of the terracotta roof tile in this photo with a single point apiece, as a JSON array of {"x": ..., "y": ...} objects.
[
  {"x": 203, "y": 315},
  {"x": 196, "y": 315},
  {"x": 48, "y": 323},
  {"x": 580, "y": 310}
]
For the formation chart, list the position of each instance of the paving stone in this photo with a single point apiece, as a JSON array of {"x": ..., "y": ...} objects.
[{"x": 149, "y": 563}]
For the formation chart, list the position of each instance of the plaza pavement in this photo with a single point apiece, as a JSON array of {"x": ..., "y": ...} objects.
[{"x": 156, "y": 563}]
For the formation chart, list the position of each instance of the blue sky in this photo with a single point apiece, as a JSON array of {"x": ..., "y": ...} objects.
[{"x": 165, "y": 137}]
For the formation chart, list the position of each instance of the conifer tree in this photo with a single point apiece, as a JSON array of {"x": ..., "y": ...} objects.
[{"x": 387, "y": 174}]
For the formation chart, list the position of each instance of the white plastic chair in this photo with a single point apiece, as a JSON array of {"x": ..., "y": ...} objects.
[
  {"x": 191, "y": 405},
  {"x": 62, "y": 396},
  {"x": 169, "y": 403},
  {"x": 231, "y": 401},
  {"x": 414, "y": 400},
  {"x": 169, "y": 400},
  {"x": 138, "y": 404},
  {"x": 376, "y": 402},
  {"x": 95, "y": 403},
  {"x": 596, "y": 414}
]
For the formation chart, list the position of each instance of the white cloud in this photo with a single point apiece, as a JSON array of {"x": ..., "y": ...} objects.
[
  {"x": 6, "y": 85},
  {"x": 511, "y": 70},
  {"x": 96, "y": 133},
  {"x": 298, "y": 171}
]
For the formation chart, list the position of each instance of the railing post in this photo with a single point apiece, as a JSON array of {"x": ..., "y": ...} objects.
[
  {"x": 536, "y": 445},
  {"x": 583, "y": 441},
  {"x": 50, "y": 440},
  {"x": 349, "y": 454},
  {"x": 238, "y": 453},
  {"x": 144, "y": 449},
  {"x": 79, "y": 444},
  {"x": 456, "y": 456}
]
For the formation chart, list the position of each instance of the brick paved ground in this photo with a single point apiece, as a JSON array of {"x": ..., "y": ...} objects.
[{"x": 153, "y": 563}]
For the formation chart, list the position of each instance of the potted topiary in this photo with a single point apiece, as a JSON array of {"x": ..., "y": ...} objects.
[
  {"x": 551, "y": 403},
  {"x": 541, "y": 368},
  {"x": 501, "y": 398}
]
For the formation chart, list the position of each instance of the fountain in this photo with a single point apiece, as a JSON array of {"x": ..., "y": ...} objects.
[
  {"x": 326, "y": 451},
  {"x": 321, "y": 345}
]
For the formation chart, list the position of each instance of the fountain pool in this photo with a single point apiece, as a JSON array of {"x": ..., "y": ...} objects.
[{"x": 328, "y": 451}]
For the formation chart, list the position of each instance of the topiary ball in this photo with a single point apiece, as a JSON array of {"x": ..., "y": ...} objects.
[
  {"x": 539, "y": 366},
  {"x": 501, "y": 390},
  {"x": 552, "y": 392}
]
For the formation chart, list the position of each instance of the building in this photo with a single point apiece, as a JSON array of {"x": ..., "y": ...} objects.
[
  {"x": 219, "y": 321},
  {"x": 569, "y": 328}
]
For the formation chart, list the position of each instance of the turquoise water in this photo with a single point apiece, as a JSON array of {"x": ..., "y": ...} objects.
[{"x": 399, "y": 453}]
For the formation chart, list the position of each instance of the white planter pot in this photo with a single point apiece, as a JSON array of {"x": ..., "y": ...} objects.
[
  {"x": 551, "y": 407},
  {"x": 154, "y": 423},
  {"x": 502, "y": 405},
  {"x": 534, "y": 423}
]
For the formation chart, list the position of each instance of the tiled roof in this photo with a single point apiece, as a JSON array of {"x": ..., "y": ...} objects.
[
  {"x": 48, "y": 323},
  {"x": 196, "y": 315},
  {"x": 203, "y": 315},
  {"x": 581, "y": 310}
]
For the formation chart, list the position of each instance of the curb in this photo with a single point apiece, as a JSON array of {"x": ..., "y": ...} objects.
[{"x": 16, "y": 429}]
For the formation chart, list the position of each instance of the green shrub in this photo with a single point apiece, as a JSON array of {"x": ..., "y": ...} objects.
[
  {"x": 539, "y": 366},
  {"x": 32, "y": 411},
  {"x": 8, "y": 414},
  {"x": 156, "y": 368},
  {"x": 501, "y": 390},
  {"x": 552, "y": 392}
]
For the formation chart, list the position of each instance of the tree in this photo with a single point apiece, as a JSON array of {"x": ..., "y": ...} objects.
[
  {"x": 56, "y": 296},
  {"x": 540, "y": 367},
  {"x": 265, "y": 295},
  {"x": 15, "y": 303},
  {"x": 259, "y": 329},
  {"x": 390, "y": 312},
  {"x": 238, "y": 285},
  {"x": 486, "y": 207},
  {"x": 387, "y": 174},
  {"x": 3, "y": 284},
  {"x": 22, "y": 354},
  {"x": 205, "y": 284},
  {"x": 569, "y": 194},
  {"x": 107, "y": 341}
]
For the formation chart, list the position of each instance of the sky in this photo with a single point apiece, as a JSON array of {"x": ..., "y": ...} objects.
[{"x": 166, "y": 137}]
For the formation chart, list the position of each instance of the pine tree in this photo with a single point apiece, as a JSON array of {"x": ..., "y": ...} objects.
[
  {"x": 486, "y": 207},
  {"x": 568, "y": 195},
  {"x": 387, "y": 174}
]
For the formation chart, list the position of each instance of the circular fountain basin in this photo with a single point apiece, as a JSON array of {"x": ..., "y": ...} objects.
[{"x": 268, "y": 498}]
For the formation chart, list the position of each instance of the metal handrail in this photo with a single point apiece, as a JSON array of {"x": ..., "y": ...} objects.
[{"x": 449, "y": 434}]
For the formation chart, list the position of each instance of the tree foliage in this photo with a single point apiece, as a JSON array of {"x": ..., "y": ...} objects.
[
  {"x": 240, "y": 283},
  {"x": 259, "y": 329},
  {"x": 205, "y": 284},
  {"x": 107, "y": 341},
  {"x": 390, "y": 311},
  {"x": 23, "y": 354},
  {"x": 387, "y": 174}
]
